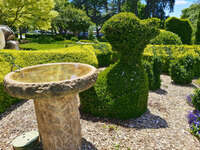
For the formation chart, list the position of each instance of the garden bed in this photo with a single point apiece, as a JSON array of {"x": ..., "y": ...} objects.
[{"x": 164, "y": 126}]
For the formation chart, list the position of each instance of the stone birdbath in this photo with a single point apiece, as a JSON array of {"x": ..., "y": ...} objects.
[{"x": 54, "y": 88}]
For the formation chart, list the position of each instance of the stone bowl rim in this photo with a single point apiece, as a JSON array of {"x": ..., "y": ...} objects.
[{"x": 8, "y": 78}]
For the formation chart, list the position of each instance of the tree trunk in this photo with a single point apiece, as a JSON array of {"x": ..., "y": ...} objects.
[
  {"x": 20, "y": 33},
  {"x": 97, "y": 31}
]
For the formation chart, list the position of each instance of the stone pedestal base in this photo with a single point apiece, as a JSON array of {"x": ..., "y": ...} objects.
[{"x": 59, "y": 123}]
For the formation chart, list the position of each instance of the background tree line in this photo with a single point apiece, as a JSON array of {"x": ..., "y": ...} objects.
[{"x": 76, "y": 16}]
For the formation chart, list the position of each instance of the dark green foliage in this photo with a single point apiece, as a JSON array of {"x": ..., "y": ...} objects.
[
  {"x": 104, "y": 54},
  {"x": 75, "y": 39},
  {"x": 125, "y": 31},
  {"x": 45, "y": 39},
  {"x": 148, "y": 67},
  {"x": 153, "y": 70},
  {"x": 157, "y": 70},
  {"x": 182, "y": 71},
  {"x": 166, "y": 38},
  {"x": 59, "y": 37},
  {"x": 198, "y": 31},
  {"x": 196, "y": 99},
  {"x": 121, "y": 91},
  {"x": 181, "y": 27},
  {"x": 155, "y": 22}
]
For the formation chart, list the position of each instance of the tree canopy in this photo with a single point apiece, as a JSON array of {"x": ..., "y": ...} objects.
[
  {"x": 32, "y": 13},
  {"x": 72, "y": 19},
  {"x": 191, "y": 13}
]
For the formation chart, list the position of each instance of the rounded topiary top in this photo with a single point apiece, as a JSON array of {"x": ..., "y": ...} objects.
[
  {"x": 128, "y": 34},
  {"x": 182, "y": 27},
  {"x": 166, "y": 38}
]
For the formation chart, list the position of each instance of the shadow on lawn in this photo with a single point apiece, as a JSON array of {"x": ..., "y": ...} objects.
[{"x": 146, "y": 121}]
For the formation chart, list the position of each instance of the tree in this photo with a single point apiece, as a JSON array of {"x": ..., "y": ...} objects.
[
  {"x": 191, "y": 13},
  {"x": 131, "y": 6},
  {"x": 97, "y": 10},
  {"x": 198, "y": 31},
  {"x": 31, "y": 13},
  {"x": 156, "y": 8},
  {"x": 72, "y": 19},
  {"x": 181, "y": 27}
]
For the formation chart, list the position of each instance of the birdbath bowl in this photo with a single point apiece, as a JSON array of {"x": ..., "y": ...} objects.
[{"x": 54, "y": 88}]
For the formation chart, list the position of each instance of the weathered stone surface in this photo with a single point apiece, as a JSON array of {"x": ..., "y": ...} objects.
[
  {"x": 26, "y": 141},
  {"x": 2, "y": 40},
  {"x": 49, "y": 89},
  {"x": 59, "y": 123},
  {"x": 12, "y": 45},
  {"x": 56, "y": 102},
  {"x": 8, "y": 33}
]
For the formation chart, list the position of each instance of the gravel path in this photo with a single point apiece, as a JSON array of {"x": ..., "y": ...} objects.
[{"x": 163, "y": 127}]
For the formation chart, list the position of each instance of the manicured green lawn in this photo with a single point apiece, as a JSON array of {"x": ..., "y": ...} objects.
[{"x": 54, "y": 45}]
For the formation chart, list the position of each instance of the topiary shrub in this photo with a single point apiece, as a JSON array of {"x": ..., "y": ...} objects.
[
  {"x": 196, "y": 99},
  {"x": 197, "y": 36},
  {"x": 153, "y": 70},
  {"x": 181, "y": 70},
  {"x": 155, "y": 22},
  {"x": 121, "y": 90},
  {"x": 166, "y": 38},
  {"x": 181, "y": 27}
]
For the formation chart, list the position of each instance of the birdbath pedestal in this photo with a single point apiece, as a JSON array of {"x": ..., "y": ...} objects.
[{"x": 54, "y": 89}]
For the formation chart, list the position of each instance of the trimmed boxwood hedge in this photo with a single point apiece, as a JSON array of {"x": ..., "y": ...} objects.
[
  {"x": 166, "y": 38},
  {"x": 122, "y": 89},
  {"x": 182, "y": 27},
  {"x": 84, "y": 54}
]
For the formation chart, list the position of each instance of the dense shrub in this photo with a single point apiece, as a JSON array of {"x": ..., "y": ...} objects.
[
  {"x": 27, "y": 58},
  {"x": 153, "y": 70},
  {"x": 149, "y": 70},
  {"x": 196, "y": 99},
  {"x": 167, "y": 53},
  {"x": 181, "y": 70},
  {"x": 121, "y": 90},
  {"x": 104, "y": 54},
  {"x": 45, "y": 39},
  {"x": 181, "y": 27},
  {"x": 197, "y": 37},
  {"x": 154, "y": 22},
  {"x": 59, "y": 37},
  {"x": 166, "y": 38},
  {"x": 75, "y": 39}
]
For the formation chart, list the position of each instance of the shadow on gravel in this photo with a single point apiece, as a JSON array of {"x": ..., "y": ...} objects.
[
  {"x": 13, "y": 107},
  {"x": 161, "y": 92},
  {"x": 86, "y": 145},
  {"x": 146, "y": 121}
]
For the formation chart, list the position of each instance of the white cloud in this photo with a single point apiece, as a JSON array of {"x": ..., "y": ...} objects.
[{"x": 181, "y": 2}]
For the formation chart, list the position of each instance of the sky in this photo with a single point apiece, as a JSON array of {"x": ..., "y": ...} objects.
[{"x": 180, "y": 5}]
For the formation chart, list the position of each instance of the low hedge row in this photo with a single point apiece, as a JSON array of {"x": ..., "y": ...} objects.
[
  {"x": 83, "y": 54},
  {"x": 167, "y": 53}
]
